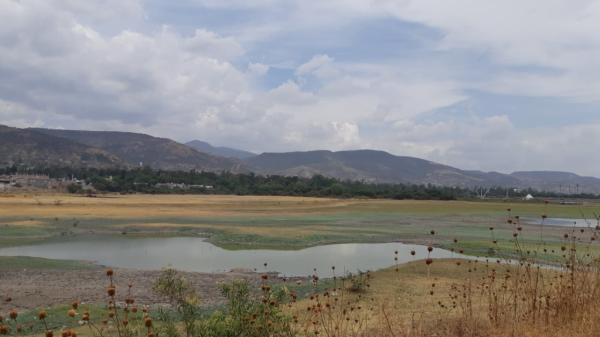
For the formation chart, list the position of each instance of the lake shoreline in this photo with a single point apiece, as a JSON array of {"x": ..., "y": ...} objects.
[
  {"x": 192, "y": 253},
  {"x": 35, "y": 289}
]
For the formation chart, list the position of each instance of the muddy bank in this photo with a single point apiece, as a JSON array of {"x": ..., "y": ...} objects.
[{"x": 40, "y": 289}]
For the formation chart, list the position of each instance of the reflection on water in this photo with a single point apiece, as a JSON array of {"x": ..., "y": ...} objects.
[{"x": 195, "y": 254}]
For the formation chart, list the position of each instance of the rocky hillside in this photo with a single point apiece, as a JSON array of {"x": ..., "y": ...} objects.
[
  {"x": 558, "y": 181},
  {"x": 159, "y": 153},
  {"x": 29, "y": 147},
  {"x": 127, "y": 149},
  {"x": 373, "y": 166}
]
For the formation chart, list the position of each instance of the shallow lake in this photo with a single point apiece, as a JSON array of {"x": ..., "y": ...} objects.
[
  {"x": 562, "y": 222},
  {"x": 195, "y": 254}
]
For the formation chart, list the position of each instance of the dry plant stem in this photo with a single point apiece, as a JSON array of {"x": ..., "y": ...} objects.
[
  {"x": 116, "y": 311},
  {"x": 387, "y": 320},
  {"x": 415, "y": 264}
]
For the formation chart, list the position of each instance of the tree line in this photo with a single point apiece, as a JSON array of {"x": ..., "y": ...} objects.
[{"x": 148, "y": 180}]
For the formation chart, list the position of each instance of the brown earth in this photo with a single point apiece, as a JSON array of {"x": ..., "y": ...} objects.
[{"x": 39, "y": 289}]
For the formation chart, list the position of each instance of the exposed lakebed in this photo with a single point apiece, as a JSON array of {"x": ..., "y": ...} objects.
[{"x": 196, "y": 254}]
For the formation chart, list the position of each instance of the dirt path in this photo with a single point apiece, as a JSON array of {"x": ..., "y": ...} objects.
[{"x": 40, "y": 289}]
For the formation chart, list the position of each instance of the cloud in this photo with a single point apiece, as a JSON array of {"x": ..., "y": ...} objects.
[
  {"x": 243, "y": 111},
  {"x": 377, "y": 117},
  {"x": 316, "y": 63},
  {"x": 550, "y": 40},
  {"x": 550, "y": 45},
  {"x": 346, "y": 134},
  {"x": 493, "y": 144},
  {"x": 257, "y": 69},
  {"x": 59, "y": 66},
  {"x": 101, "y": 11},
  {"x": 236, "y": 3},
  {"x": 209, "y": 44},
  {"x": 290, "y": 93},
  {"x": 18, "y": 115},
  {"x": 268, "y": 75}
]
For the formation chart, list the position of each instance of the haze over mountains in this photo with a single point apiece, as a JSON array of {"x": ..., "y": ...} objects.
[
  {"x": 226, "y": 152},
  {"x": 128, "y": 150}
]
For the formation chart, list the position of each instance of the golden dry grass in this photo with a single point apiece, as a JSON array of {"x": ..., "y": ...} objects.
[
  {"x": 140, "y": 206},
  {"x": 406, "y": 293},
  {"x": 127, "y": 206},
  {"x": 263, "y": 220},
  {"x": 136, "y": 206},
  {"x": 27, "y": 223},
  {"x": 411, "y": 310},
  {"x": 409, "y": 303}
]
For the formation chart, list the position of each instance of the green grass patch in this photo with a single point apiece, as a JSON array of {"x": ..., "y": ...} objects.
[
  {"x": 16, "y": 231},
  {"x": 57, "y": 318},
  {"x": 359, "y": 221},
  {"x": 25, "y": 262},
  {"x": 17, "y": 241}
]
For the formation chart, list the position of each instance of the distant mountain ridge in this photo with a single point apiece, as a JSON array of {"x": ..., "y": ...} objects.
[
  {"x": 226, "y": 152},
  {"x": 382, "y": 167},
  {"x": 31, "y": 147},
  {"x": 554, "y": 176},
  {"x": 549, "y": 180},
  {"x": 372, "y": 166},
  {"x": 126, "y": 149},
  {"x": 160, "y": 153}
]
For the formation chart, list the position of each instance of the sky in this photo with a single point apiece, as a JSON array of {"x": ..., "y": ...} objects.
[{"x": 481, "y": 85}]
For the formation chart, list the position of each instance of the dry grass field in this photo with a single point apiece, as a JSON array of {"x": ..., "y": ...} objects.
[
  {"x": 264, "y": 221},
  {"x": 151, "y": 206},
  {"x": 472, "y": 299}
]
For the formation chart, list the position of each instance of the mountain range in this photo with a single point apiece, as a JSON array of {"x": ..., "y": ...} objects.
[
  {"x": 382, "y": 167},
  {"x": 160, "y": 153},
  {"x": 128, "y": 150},
  {"x": 226, "y": 152},
  {"x": 32, "y": 147},
  {"x": 368, "y": 165}
]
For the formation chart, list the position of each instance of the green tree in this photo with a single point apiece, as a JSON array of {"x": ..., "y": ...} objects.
[
  {"x": 74, "y": 188},
  {"x": 337, "y": 189}
]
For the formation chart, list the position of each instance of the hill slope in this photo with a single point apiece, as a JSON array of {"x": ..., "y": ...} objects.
[
  {"x": 374, "y": 166},
  {"x": 558, "y": 181},
  {"x": 109, "y": 149},
  {"x": 556, "y": 177},
  {"x": 31, "y": 147},
  {"x": 159, "y": 153},
  {"x": 226, "y": 152}
]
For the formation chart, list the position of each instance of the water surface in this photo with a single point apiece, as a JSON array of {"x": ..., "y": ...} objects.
[
  {"x": 195, "y": 254},
  {"x": 562, "y": 222}
]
